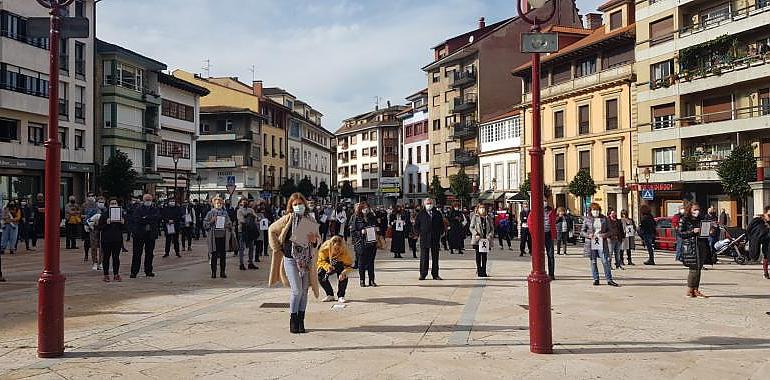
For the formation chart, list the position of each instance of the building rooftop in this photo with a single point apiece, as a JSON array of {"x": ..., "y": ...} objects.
[
  {"x": 270, "y": 91},
  {"x": 228, "y": 110},
  {"x": 348, "y": 127},
  {"x": 457, "y": 44},
  {"x": 182, "y": 84},
  {"x": 501, "y": 116},
  {"x": 104, "y": 47}
]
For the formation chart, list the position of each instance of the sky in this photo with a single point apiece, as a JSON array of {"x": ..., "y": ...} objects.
[{"x": 339, "y": 56}]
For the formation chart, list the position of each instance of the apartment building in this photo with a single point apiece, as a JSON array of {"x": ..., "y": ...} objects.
[
  {"x": 179, "y": 121},
  {"x": 128, "y": 100},
  {"x": 470, "y": 80},
  {"x": 368, "y": 154},
  {"x": 415, "y": 148},
  {"x": 501, "y": 139},
  {"x": 703, "y": 89},
  {"x": 24, "y": 68}
]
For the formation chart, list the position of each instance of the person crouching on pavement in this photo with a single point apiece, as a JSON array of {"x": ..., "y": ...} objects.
[
  {"x": 219, "y": 226},
  {"x": 334, "y": 258},
  {"x": 293, "y": 263},
  {"x": 595, "y": 231},
  {"x": 482, "y": 232},
  {"x": 111, "y": 232}
]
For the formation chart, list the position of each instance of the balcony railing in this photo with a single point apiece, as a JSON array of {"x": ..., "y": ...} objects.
[
  {"x": 465, "y": 129},
  {"x": 464, "y": 103},
  {"x": 725, "y": 17},
  {"x": 713, "y": 117},
  {"x": 464, "y": 157},
  {"x": 616, "y": 73},
  {"x": 464, "y": 78}
]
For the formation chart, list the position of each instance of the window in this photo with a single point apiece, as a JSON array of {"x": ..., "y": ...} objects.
[
  {"x": 15, "y": 27},
  {"x": 374, "y": 168},
  {"x": 206, "y": 127},
  {"x": 9, "y": 130},
  {"x": 80, "y": 139},
  {"x": 562, "y": 74},
  {"x": 353, "y": 139},
  {"x": 764, "y": 101},
  {"x": 662, "y": 30},
  {"x": 584, "y": 160},
  {"x": 63, "y": 138},
  {"x": 559, "y": 165},
  {"x": 661, "y": 71},
  {"x": 613, "y": 162},
  {"x": 64, "y": 104},
  {"x": 436, "y": 77},
  {"x": 436, "y": 100},
  {"x": 364, "y": 168},
  {"x": 611, "y": 114},
  {"x": 436, "y": 124},
  {"x": 585, "y": 67},
  {"x": 663, "y": 116},
  {"x": 353, "y": 154},
  {"x": 584, "y": 125},
  {"x": 365, "y": 183},
  {"x": 409, "y": 156},
  {"x": 558, "y": 124},
  {"x": 419, "y": 182},
  {"x": 365, "y": 136},
  {"x": 177, "y": 110},
  {"x": 436, "y": 148},
  {"x": 719, "y": 108},
  {"x": 35, "y": 133},
  {"x": 354, "y": 169},
  {"x": 64, "y": 57},
  {"x": 80, "y": 59},
  {"x": 126, "y": 76},
  {"x": 664, "y": 159},
  {"x": 80, "y": 105},
  {"x": 373, "y": 151},
  {"x": 448, "y": 146},
  {"x": 419, "y": 154},
  {"x": 25, "y": 81},
  {"x": 513, "y": 176},
  {"x": 373, "y": 136},
  {"x": 616, "y": 20},
  {"x": 617, "y": 57},
  {"x": 486, "y": 177},
  {"x": 373, "y": 183},
  {"x": 427, "y": 154},
  {"x": 408, "y": 131},
  {"x": 365, "y": 152}
]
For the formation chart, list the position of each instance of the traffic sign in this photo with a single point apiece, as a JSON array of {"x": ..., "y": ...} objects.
[
  {"x": 231, "y": 180},
  {"x": 648, "y": 194}
]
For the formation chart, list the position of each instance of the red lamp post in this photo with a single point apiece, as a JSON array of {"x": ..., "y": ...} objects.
[
  {"x": 50, "y": 308},
  {"x": 539, "y": 286}
]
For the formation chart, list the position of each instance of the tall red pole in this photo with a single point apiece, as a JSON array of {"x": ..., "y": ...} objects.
[
  {"x": 50, "y": 306},
  {"x": 539, "y": 286}
]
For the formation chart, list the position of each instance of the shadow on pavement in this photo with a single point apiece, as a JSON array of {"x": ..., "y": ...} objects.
[
  {"x": 707, "y": 343},
  {"x": 424, "y": 328},
  {"x": 744, "y": 296},
  {"x": 409, "y": 301}
]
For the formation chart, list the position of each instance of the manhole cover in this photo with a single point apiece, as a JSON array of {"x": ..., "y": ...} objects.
[{"x": 274, "y": 305}]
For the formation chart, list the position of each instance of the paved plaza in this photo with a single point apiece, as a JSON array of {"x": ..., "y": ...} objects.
[{"x": 183, "y": 324}]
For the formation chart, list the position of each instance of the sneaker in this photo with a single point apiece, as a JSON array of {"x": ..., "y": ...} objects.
[
  {"x": 150, "y": 274},
  {"x": 596, "y": 282},
  {"x": 95, "y": 267},
  {"x": 766, "y": 276},
  {"x": 328, "y": 299},
  {"x": 252, "y": 266},
  {"x": 341, "y": 300},
  {"x": 612, "y": 283},
  {"x": 117, "y": 278},
  {"x": 106, "y": 279},
  {"x": 650, "y": 262}
]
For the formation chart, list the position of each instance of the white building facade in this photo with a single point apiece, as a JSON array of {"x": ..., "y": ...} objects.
[
  {"x": 415, "y": 149},
  {"x": 24, "y": 67},
  {"x": 500, "y": 158}
]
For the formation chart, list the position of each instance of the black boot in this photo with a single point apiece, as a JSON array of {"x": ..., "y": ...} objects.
[
  {"x": 294, "y": 324},
  {"x": 301, "y": 322}
]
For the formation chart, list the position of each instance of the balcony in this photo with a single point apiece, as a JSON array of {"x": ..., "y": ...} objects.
[
  {"x": 464, "y": 158},
  {"x": 113, "y": 86},
  {"x": 244, "y": 136},
  {"x": 465, "y": 129},
  {"x": 693, "y": 168},
  {"x": 463, "y": 104},
  {"x": 464, "y": 78},
  {"x": 722, "y": 21},
  {"x": 735, "y": 120},
  {"x": 214, "y": 162},
  {"x": 147, "y": 135},
  {"x": 614, "y": 74}
]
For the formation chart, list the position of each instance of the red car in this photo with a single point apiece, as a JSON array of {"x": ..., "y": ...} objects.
[{"x": 665, "y": 234}]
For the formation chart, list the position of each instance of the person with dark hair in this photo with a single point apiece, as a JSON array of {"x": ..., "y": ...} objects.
[
  {"x": 362, "y": 223},
  {"x": 759, "y": 239},
  {"x": 27, "y": 227},
  {"x": 629, "y": 227},
  {"x": 525, "y": 238},
  {"x": 595, "y": 231},
  {"x": 171, "y": 221},
  {"x": 11, "y": 217},
  {"x": 563, "y": 224},
  {"x": 188, "y": 225},
  {"x": 220, "y": 228},
  {"x": 482, "y": 232},
  {"x": 411, "y": 233},
  {"x": 399, "y": 224},
  {"x": 247, "y": 230},
  {"x": 73, "y": 223},
  {"x": 456, "y": 230},
  {"x": 145, "y": 221},
  {"x": 429, "y": 226},
  {"x": 111, "y": 232},
  {"x": 694, "y": 256},
  {"x": 615, "y": 236},
  {"x": 647, "y": 229},
  {"x": 549, "y": 227}
]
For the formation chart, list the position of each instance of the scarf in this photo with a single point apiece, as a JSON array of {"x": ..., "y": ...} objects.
[{"x": 301, "y": 254}]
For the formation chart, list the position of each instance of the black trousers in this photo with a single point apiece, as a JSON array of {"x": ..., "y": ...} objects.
[
  {"x": 172, "y": 238},
  {"x": 142, "y": 245},
  {"x": 187, "y": 235},
  {"x": 413, "y": 247},
  {"x": 219, "y": 253},
  {"x": 258, "y": 247},
  {"x": 428, "y": 252},
  {"x": 71, "y": 232},
  {"x": 366, "y": 262},
  {"x": 323, "y": 279},
  {"x": 526, "y": 240},
  {"x": 111, "y": 251},
  {"x": 503, "y": 236},
  {"x": 481, "y": 261},
  {"x": 28, "y": 233}
]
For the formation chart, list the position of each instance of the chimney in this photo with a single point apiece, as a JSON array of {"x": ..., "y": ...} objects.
[
  {"x": 593, "y": 21},
  {"x": 482, "y": 23},
  {"x": 257, "y": 87}
]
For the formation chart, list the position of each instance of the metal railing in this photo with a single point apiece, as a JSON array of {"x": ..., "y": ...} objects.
[
  {"x": 696, "y": 164},
  {"x": 728, "y": 16},
  {"x": 464, "y": 129},
  {"x": 464, "y": 77}
]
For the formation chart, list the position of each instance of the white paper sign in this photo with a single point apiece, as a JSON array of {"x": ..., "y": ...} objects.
[
  {"x": 305, "y": 227},
  {"x": 341, "y": 218},
  {"x": 187, "y": 218},
  {"x": 264, "y": 224},
  {"x": 400, "y": 225},
  {"x": 170, "y": 228},
  {"x": 371, "y": 234},
  {"x": 524, "y": 225},
  {"x": 115, "y": 214},
  {"x": 220, "y": 223},
  {"x": 597, "y": 244},
  {"x": 324, "y": 218},
  {"x": 484, "y": 245},
  {"x": 630, "y": 230}
]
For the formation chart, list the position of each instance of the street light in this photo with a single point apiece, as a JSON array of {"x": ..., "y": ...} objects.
[
  {"x": 50, "y": 306},
  {"x": 539, "y": 286},
  {"x": 176, "y": 154}
]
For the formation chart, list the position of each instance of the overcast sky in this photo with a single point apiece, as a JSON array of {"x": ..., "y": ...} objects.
[{"x": 337, "y": 55}]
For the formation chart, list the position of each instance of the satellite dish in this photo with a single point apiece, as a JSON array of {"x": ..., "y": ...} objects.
[{"x": 470, "y": 40}]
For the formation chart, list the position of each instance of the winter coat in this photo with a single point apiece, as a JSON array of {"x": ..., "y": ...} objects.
[
  {"x": 325, "y": 258},
  {"x": 477, "y": 232},
  {"x": 357, "y": 224},
  {"x": 210, "y": 225},
  {"x": 615, "y": 230},
  {"x": 277, "y": 235},
  {"x": 687, "y": 225},
  {"x": 647, "y": 225},
  {"x": 589, "y": 229}
]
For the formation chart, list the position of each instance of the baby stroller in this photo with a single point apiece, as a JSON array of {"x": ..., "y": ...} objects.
[{"x": 735, "y": 247}]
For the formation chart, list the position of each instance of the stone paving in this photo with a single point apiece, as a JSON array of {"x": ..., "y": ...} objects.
[{"x": 183, "y": 324}]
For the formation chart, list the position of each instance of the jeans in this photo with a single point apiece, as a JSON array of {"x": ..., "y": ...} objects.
[
  {"x": 614, "y": 250},
  {"x": 245, "y": 244},
  {"x": 111, "y": 251},
  {"x": 366, "y": 263},
  {"x": 561, "y": 239},
  {"x": 8, "y": 240},
  {"x": 299, "y": 284},
  {"x": 549, "y": 253},
  {"x": 678, "y": 248},
  {"x": 605, "y": 264},
  {"x": 649, "y": 242}
]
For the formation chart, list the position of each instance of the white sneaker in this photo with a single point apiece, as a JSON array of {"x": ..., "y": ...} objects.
[
  {"x": 95, "y": 267},
  {"x": 328, "y": 299},
  {"x": 341, "y": 300}
]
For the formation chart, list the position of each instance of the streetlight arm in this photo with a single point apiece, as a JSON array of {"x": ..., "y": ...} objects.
[
  {"x": 54, "y": 3},
  {"x": 535, "y": 21}
]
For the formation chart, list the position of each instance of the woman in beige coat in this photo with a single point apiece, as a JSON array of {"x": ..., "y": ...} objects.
[{"x": 293, "y": 263}]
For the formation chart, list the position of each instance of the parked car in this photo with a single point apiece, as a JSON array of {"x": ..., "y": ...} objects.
[{"x": 665, "y": 234}]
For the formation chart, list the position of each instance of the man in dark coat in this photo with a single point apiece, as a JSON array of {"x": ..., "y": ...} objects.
[
  {"x": 429, "y": 225},
  {"x": 759, "y": 239},
  {"x": 145, "y": 223},
  {"x": 526, "y": 239},
  {"x": 171, "y": 222}
]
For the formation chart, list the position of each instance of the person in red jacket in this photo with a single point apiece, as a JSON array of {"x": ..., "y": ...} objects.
[{"x": 550, "y": 236}]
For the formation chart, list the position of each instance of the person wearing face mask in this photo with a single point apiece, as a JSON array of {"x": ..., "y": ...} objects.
[
  {"x": 111, "y": 240},
  {"x": 188, "y": 220},
  {"x": 595, "y": 230},
  {"x": 294, "y": 261},
  {"x": 429, "y": 226},
  {"x": 562, "y": 230},
  {"x": 616, "y": 234},
  {"x": 647, "y": 230},
  {"x": 400, "y": 224},
  {"x": 145, "y": 220},
  {"x": 455, "y": 232},
  {"x": 694, "y": 255},
  {"x": 11, "y": 217},
  {"x": 481, "y": 227},
  {"x": 220, "y": 227},
  {"x": 629, "y": 228},
  {"x": 549, "y": 224},
  {"x": 171, "y": 221},
  {"x": 247, "y": 228},
  {"x": 334, "y": 258},
  {"x": 675, "y": 220},
  {"x": 526, "y": 239},
  {"x": 72, "y": 220},
  {"x": 27, "y": 226},
  {"x": 366, "y": 249},
  {"x": 759, "y": 239},
  {"x": 412, "y": 236},
  {"x": 92, "y": 239}
]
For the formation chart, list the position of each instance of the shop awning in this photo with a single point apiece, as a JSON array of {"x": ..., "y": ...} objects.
[
  {"x": 518, "y": 198},
  {"x": 149, "y": 178},
  {"x": 491, "y": 196}
]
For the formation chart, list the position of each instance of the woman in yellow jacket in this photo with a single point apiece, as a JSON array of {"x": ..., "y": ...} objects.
[{"x": 334, "y": 258}]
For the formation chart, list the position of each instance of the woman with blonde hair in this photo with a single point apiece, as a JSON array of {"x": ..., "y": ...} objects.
[
  {"x": 482, "y": 229},
  {"x": 294, "y": 259},
  {"x": 334, "y": 258}
]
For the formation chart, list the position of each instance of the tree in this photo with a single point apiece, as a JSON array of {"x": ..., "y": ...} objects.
[
  {"x": 346, "y": 190},
  {"x": 735, "y": 173},
  {"x": 525, "y": 187},
  {"x": 306, "y": 187},
  {"x": 323, "y": 190},
  {"x": 288, "y": 188},
  {"x": 118, "y": 177},
  {"x": 437, "y": 192},
  {"x": 462, "y": 186},
  {"x": 582, "y": 186}
]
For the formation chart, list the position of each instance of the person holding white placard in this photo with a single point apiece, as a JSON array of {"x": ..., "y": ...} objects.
[
  {"x": 363, "y": 229},
  {"x": 111, "y": 225},
  {"x": 482, "y": 232},
  {"x": 629, "y": 226},
  {"x": 399, "y": 224},
  {"x": 595, "y": 231},
  {"x": 219, "y": 226},
  {"x": 171, "y": 220}
]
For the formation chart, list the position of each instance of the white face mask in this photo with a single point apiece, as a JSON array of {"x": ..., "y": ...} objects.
[
  {"x": 100, "y": 205},
  {"x": 113, "y": 205},
  {"x": 148, "y": 203},
  {"x": 172, "y": 204},
  {"x": 681, "y": 211},
  {"x": 695, "y": 213},
  {"x": 595, "y": 213},
  {"x": 482, "y": 211},
  {"x": 298, "y": 209},
  {"x": 429, "y": 206},
  {"x": 365, "y": 210}
]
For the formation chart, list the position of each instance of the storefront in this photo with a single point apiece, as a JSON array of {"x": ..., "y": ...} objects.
[{"x": 24, "y": 178}]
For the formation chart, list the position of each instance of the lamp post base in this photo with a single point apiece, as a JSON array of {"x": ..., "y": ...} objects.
[
  {"x": 539, "y": 287},
  {"x": 50, "y": 314}
]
